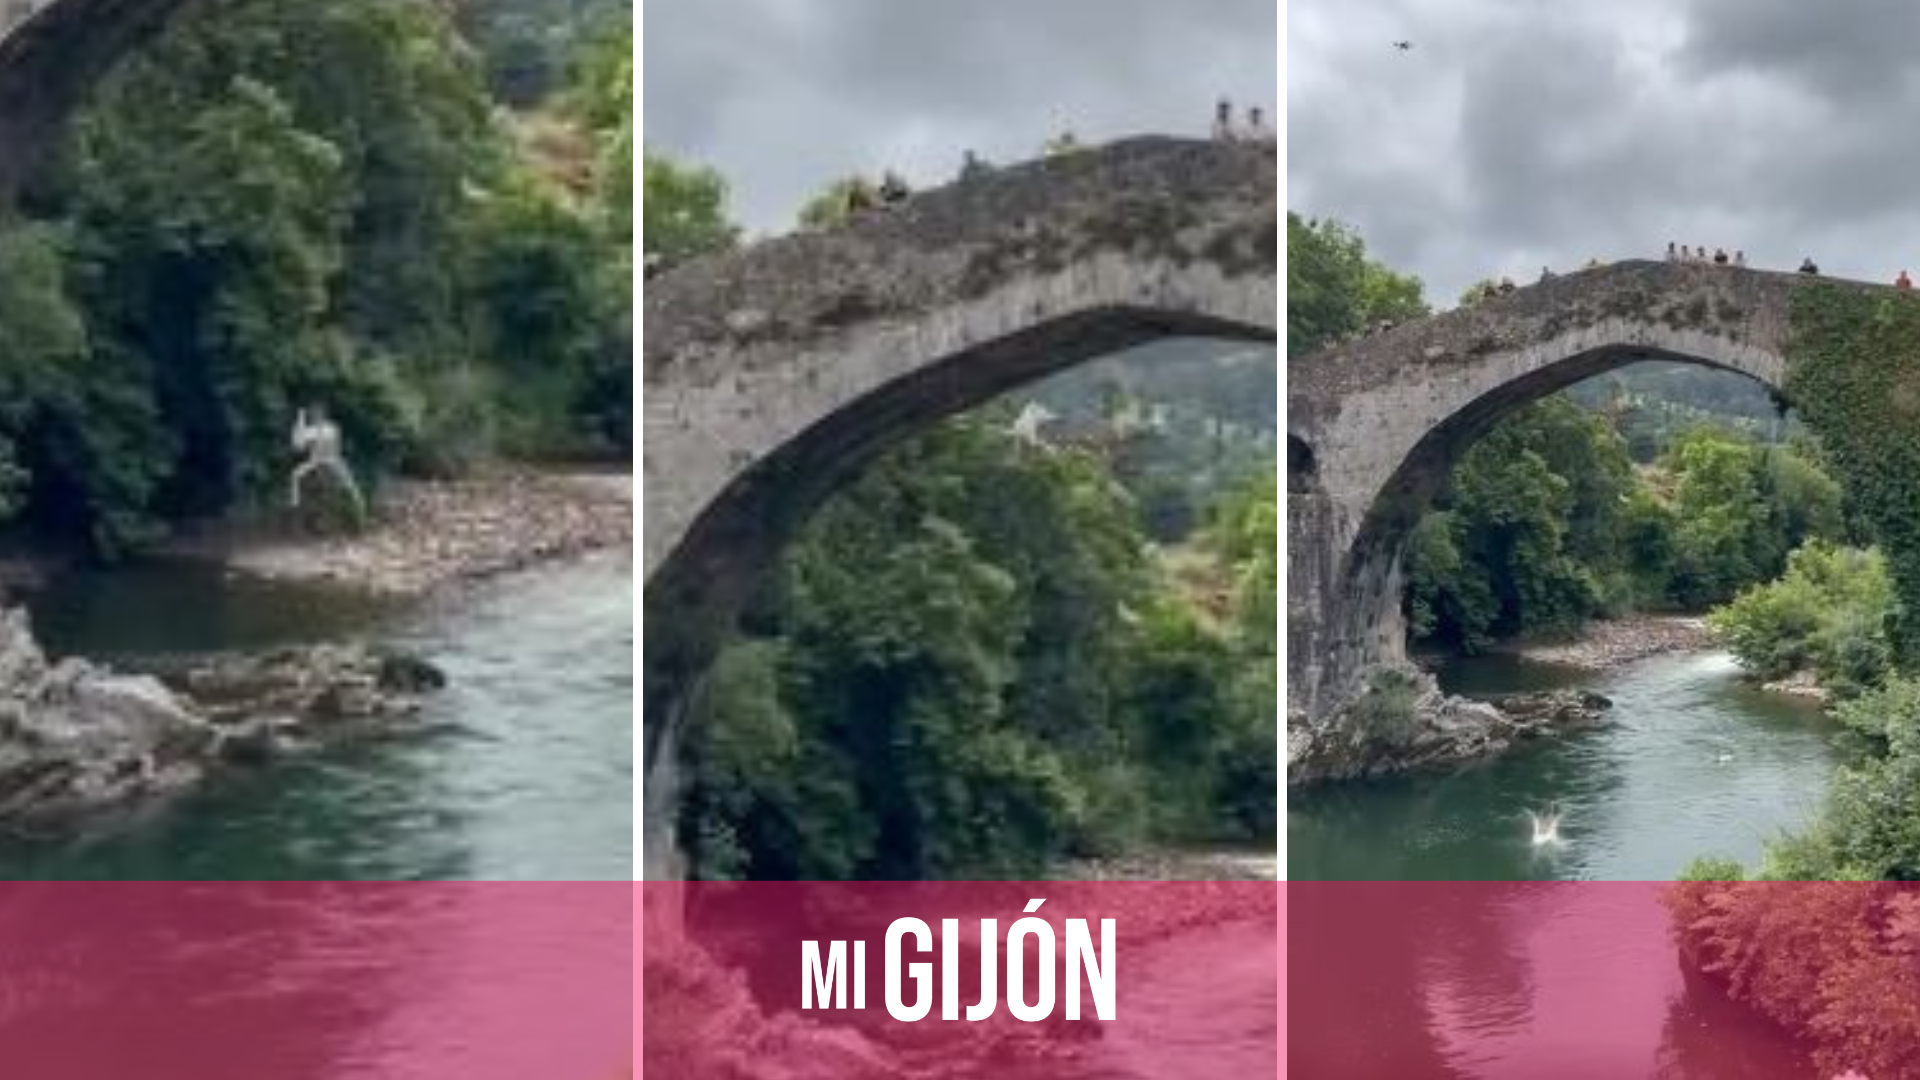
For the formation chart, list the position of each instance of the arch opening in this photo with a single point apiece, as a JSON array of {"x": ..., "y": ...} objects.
[
  {"x": 1357, "y": 624},
  {"x": 698, "y": 595}
]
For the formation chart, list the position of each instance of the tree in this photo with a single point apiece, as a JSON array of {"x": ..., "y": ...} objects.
[
  {"x": 1334, "y": 290},
  {"x": 981, "y": 671},
  {"x": 683, "y": 210},
  {"x": 1830, "y": 614},
  {"x": 276, "y": 207}
]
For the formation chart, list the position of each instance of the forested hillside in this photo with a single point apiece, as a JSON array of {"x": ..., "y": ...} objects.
[{"x": 284, "y": 205}]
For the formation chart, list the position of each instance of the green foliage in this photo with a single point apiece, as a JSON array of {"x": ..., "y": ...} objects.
[
  {"x": 1741, "y": 508},
  {"x": 541, "y": 308},
  {"x": 1854, "y": 371},
  {"x": 1712, "y": 869},
  {"x": 1513, "y": 544},
  {"x": 1869, "y": 826},
  {"x": 527, "y": 46},
  {"x": 602, "y": 98},
  {"x": 968, "y": 666},
  {"x": 282, "y": 206},
  {"x": 1334, "y": 291},
  {"x": 1828, "y": 614},
  {"x": 1545, "y": 523},
  {"x": 1384, "y": 714},
  {"x": 682, "y": 210},
  {"x": 835, "y": 204},
  {"x": 1828, "y": 961}
]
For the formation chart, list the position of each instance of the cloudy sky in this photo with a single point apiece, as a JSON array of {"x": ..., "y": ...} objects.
[
  {"x": 784, "y": 96},
  {"x": 1522, "y": 133}
]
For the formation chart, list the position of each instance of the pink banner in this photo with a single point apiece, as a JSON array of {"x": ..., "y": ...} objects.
[
  {"x": 240, "y": 981},
  {"x": 1602, "y": 980},
  {"x": 1016, "y": 981},
  {"x": 1010, "y": 980}
]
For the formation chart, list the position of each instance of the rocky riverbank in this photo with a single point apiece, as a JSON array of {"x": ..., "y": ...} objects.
[
  {"x": 424, "y": 536},
  {"x": 77, "y": 739},
  {"x": 1610, "y": 643},
  {"x": 1406, "y": 724}
]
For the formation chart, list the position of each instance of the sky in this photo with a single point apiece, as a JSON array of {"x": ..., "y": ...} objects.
[
  {"x": 785, "y": 96},
  {"x": 1518, "y": 134}
]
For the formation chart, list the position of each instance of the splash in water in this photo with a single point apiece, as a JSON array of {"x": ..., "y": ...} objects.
[{"x": 1546, "y": 825}]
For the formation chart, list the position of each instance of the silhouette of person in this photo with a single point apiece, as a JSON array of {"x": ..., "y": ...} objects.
[
  {"x": 1807, "y": 266},
  {"x": 1720, "y": 256},
  {"x": 1223, "y": 121},
  {"x": 1257, "y": 130}
]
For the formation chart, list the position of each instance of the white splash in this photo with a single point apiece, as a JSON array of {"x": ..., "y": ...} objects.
[{"x": 1546, "y": 826}]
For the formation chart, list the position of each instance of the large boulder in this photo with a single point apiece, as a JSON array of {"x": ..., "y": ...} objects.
[
  {"x": 1405, "y": 723},
  {"x": 77, "y": 738}
]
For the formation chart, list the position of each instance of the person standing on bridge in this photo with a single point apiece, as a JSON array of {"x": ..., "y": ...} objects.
[
  {"x": 1223, "y": 130},
  {"x": 1673, "y": 253},
  {"x": 1740, "y": 260},
  {"x": 1257, "y": 130}
]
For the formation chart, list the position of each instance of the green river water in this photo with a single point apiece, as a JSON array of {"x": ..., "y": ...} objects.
[{"x": 525, "y": 772}]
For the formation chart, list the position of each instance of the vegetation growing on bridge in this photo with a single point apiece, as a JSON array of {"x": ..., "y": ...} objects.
[{"x": 1854, "y": 372}]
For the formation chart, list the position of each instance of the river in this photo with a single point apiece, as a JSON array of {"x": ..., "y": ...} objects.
[
  {"x": 1695, "y": 762},
  {"x": 524, "y": 772},
  {"x": 1521, "y": 980}
]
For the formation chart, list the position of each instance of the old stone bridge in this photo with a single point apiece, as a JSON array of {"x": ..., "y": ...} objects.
[
  {"x": 773, "y": 374},
  {"x": 1374, "y": 426},
  {"x": 51, "y": 53}
]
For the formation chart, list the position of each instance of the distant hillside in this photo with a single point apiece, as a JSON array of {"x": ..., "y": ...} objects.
[
  {"x": 1652, "y": 402},
  {"x": 1231, "y": 382},
  {"x": 528, "y": 44}
]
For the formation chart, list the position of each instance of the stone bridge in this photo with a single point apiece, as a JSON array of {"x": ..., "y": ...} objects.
[
  {"x": 51, "y": 54},
  {"x": 775, "y": 373},
  {"x": 1375, "y": 425}
]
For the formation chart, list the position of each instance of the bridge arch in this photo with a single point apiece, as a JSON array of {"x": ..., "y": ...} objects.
[
  {"x": 50, "y": 59},
  {"x": 1389, "y": 415},
  {"x": 774, "y": 374}
]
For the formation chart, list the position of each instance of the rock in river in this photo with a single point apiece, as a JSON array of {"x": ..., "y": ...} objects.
[
  {"x": 77, "y": 738},
  {"x": 1404, "y": 723}
]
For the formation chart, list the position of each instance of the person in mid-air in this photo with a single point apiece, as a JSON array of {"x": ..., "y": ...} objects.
[{"x": 318, "y": 437}]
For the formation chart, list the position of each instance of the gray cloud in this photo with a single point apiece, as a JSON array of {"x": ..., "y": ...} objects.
[
  {"x": 1522, "y": 133},
  {"x": 783, "y": 96}
]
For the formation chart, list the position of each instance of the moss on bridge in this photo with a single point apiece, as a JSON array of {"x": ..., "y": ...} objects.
[{"x": 1854, "y": 373}]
